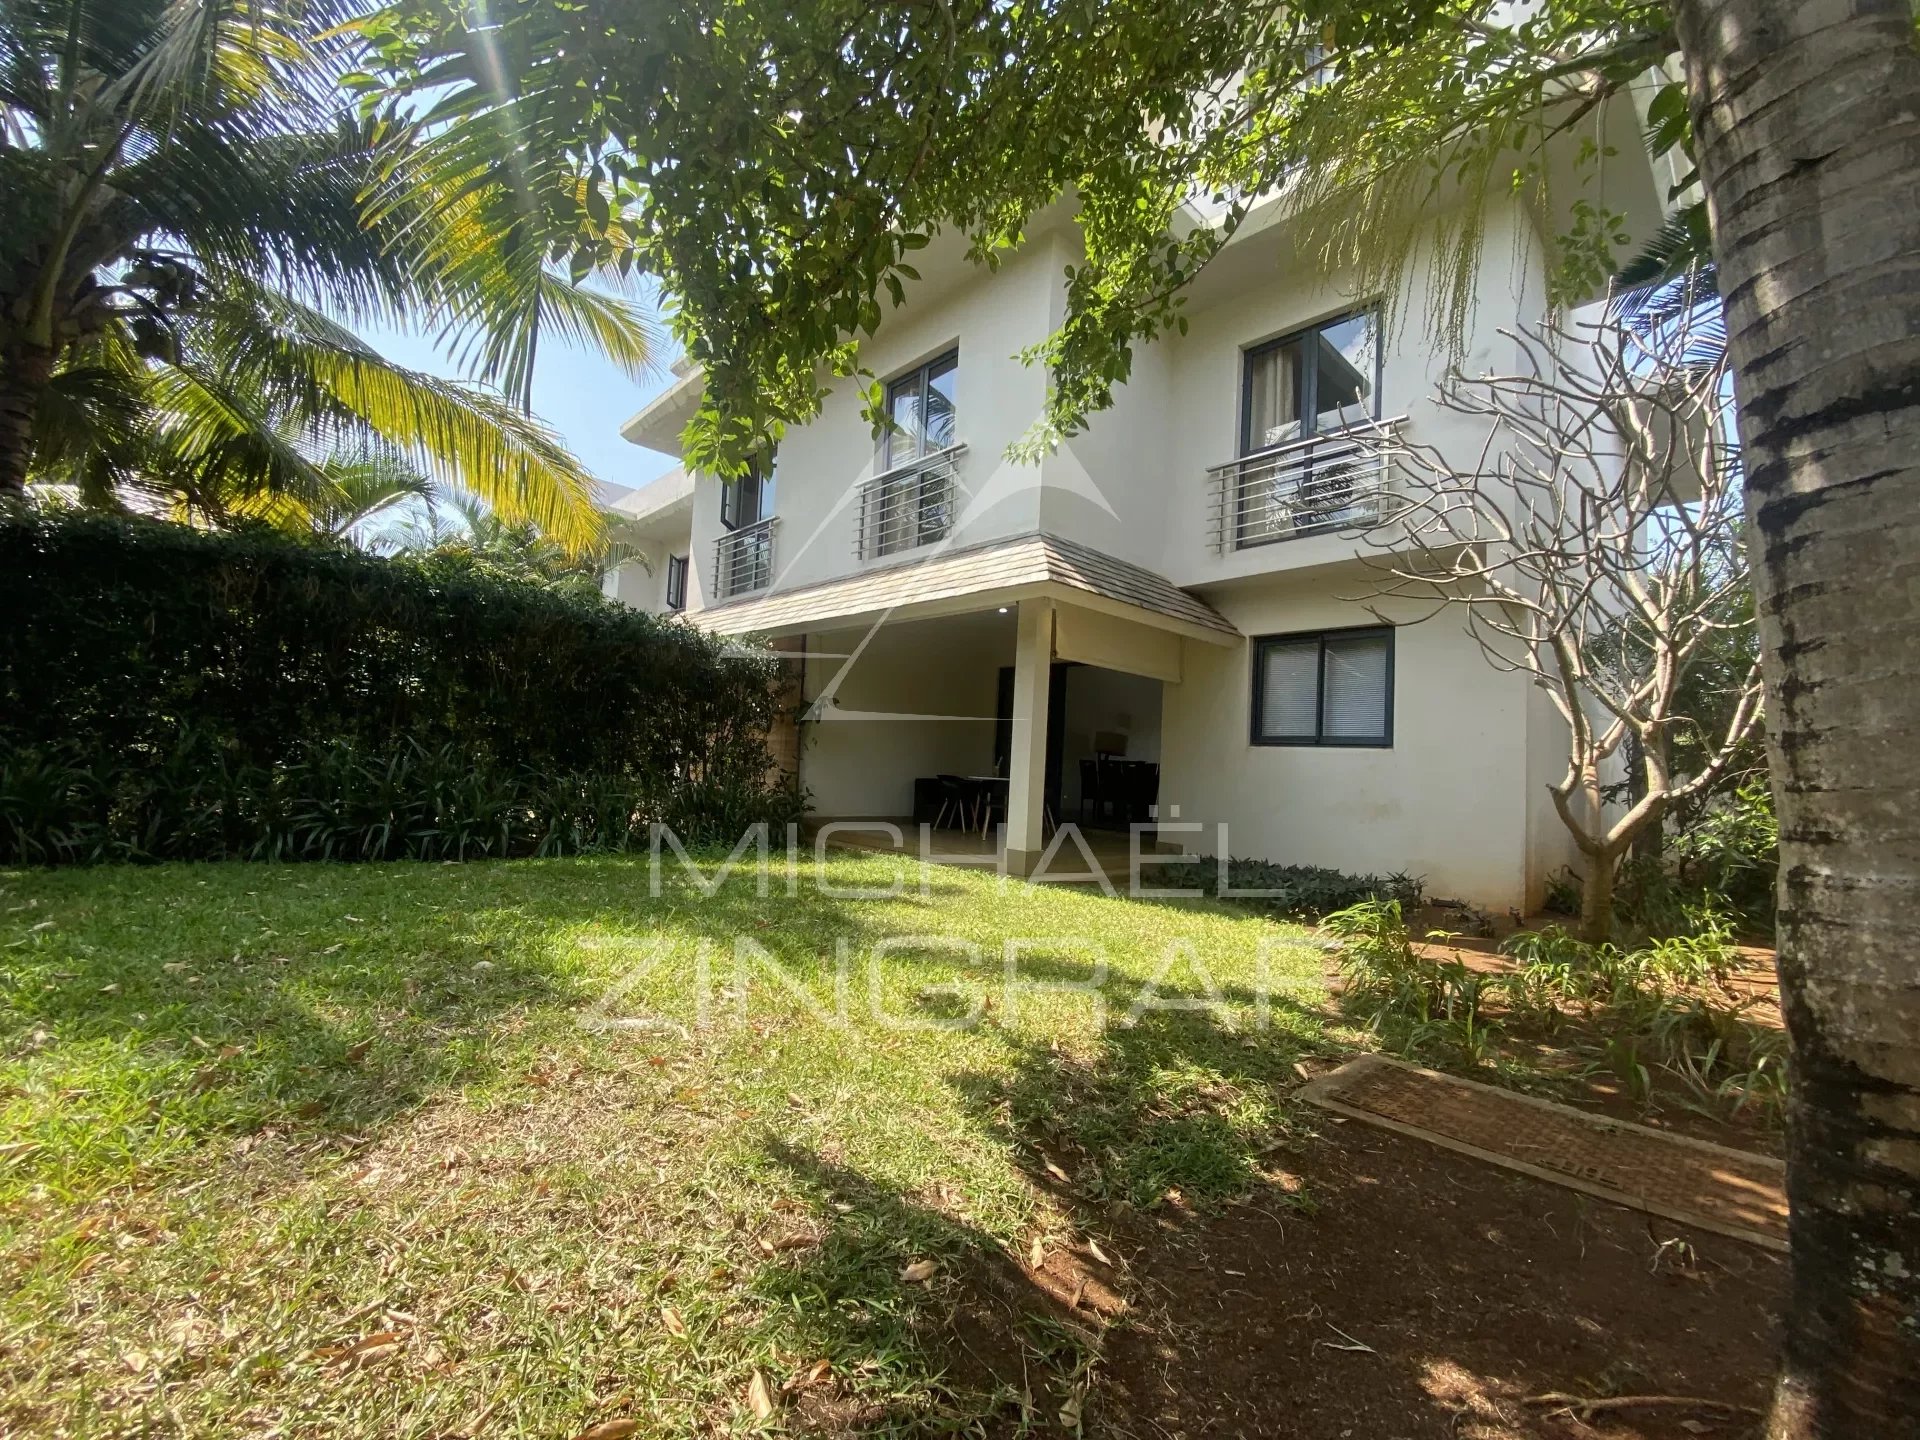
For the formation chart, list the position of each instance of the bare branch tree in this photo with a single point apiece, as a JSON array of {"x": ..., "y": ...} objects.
[{"x": 1595, "y": 542}]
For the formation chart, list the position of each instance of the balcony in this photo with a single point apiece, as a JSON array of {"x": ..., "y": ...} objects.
[
  {"x": 1305, "y": 487},
  {"x": 743, "y": 560},
  {"x": 909, "y": 506}
]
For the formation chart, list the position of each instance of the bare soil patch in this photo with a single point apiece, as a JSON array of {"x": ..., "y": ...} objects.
[{"x": 1429, "y": 1295}]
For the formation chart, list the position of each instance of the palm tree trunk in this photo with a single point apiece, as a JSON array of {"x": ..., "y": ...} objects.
[
  {"x": 24, "y": 374},
  {"x": 1806, "y": 116}
]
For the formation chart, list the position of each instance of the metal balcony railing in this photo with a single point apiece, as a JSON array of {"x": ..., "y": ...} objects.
[
  {"x": 743, "y": 560},
  {"x": 1327, "y": 482},
  {"x": 909, "y": 506}
]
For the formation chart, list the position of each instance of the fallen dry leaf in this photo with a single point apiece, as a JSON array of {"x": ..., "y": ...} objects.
[
  {"x": 813, "y": 1375},
  {"x": 609, "y": 1430},
  {"x": 358, "y": 1051},
  {"x": 919, "y": 1272},
  {"x": 1070, "y": 1412},
  {"x": 1037, "y": 1253},
  {"x": 368, "y": 1350},
  {"x": 670, "y": 1318},
  {"x": 760, "y": 1396},
  {"x": 1093, "y": 1249}
]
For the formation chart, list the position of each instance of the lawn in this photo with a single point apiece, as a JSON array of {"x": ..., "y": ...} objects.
[{"x": 527, "y": 1149}]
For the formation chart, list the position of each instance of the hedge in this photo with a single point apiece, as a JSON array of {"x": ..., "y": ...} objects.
[{"x": 165, "y": 691}]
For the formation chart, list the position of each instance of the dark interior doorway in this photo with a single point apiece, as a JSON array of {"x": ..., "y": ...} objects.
[{"x": 1056, "y": 727}]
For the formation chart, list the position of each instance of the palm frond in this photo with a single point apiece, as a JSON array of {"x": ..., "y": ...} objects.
[
  {"x": 327, "y": 379},
  {"x": 1682, "y": 246}
]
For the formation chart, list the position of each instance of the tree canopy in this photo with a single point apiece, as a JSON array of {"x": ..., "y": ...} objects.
[
  {"x": 779, "y": 166},
  {"x": 191, "y": 238}
]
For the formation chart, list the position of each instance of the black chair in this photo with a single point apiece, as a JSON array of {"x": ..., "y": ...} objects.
[
  {"x": 1090, "y": 793},
  {"x": 956, "y": 799}
]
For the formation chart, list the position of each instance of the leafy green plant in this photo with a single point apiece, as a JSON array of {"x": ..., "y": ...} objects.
[
  {"x": 1430, "y": 1009},
  {"x": 1292, "y": 891},
  {"x": 1563, "y": 892},
  {"x": 193, "y": 696},
  {"x": 1644, "y": 1002}
]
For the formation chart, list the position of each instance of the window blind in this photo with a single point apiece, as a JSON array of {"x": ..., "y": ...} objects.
[
  {"x": 1354, "y": 705},
  {"x": 1290, "y": 689}
]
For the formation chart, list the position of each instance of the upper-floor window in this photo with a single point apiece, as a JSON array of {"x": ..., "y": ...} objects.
[
  {"x": 749, "y": 499},
  {"x": 920, "y": 409},
  {"x": 676, "y": 582},
  {"x": 1320, "y": 379}
]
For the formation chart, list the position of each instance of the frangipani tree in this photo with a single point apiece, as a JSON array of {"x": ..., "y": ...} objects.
[{"x": 1595, "y": 542}]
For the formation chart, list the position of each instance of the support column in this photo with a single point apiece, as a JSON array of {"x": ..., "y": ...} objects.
[{"x": 1027, "y": 770}]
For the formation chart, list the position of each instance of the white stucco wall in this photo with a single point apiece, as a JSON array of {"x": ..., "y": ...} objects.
[
  {"x": 640, "y": 583},
  {"x": 1446, "y": 801},
  {"x": 1134, "y": 483},
  {"x": 822, "y": 464},
  {"x": 947, "y": 668}
]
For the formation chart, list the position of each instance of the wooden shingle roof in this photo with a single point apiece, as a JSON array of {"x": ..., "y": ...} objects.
[{"x": 1028, "y": 563}]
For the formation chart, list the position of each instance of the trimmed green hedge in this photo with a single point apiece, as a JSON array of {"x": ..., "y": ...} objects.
[{"x": 168, "y": 692}]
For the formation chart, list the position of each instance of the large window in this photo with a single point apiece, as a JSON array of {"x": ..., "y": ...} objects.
[
  {"x": 676, "y": 582},
  {"x": 910, "y": 503},
  {"x": 1334, "y": 687},
  {"x": 1306, "y": 384},
  {"x": 920, "y": 409},
  {"x": 748, "y": 500}
]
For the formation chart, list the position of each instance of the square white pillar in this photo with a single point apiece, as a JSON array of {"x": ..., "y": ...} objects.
[{"x": 1027, "y": 772}]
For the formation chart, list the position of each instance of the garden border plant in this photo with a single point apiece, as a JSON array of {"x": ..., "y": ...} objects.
[
  {"x": 167, "y": 693},
  {"x": 1661, "y": 1007}
]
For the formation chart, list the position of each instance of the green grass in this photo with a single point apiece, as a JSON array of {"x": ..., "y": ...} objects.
[{"x": 257, "y": 1115}]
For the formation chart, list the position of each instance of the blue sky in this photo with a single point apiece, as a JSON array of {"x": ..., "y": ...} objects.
[{"x": 580, "y": 395}]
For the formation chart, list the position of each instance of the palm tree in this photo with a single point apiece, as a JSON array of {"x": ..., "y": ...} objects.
[
  {"x": 345, "y": 496},
  {"x": 190, "y": 240},
  {"x": 1803, "y": 123},
  {"x": 462, "y": 526}
]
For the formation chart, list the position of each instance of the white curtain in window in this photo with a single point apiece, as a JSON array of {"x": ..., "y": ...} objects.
[
  {"x": 1289, "y": 689},
  {"x": 1356, "y": 701},
  {"x": 1273, "y": 397}
]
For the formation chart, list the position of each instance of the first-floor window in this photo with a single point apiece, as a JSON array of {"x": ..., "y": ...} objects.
[
  {"x": 676, "y": 582},
  {"x": 1329, "y": 687}
]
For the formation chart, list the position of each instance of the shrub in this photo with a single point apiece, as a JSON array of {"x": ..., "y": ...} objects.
[
  {"x": 166, "y": 693},
  {"x": 1640, "y": 1005},
  {"x": 1438, "y": 1008},
  {"x": 1294, "y": 891}
]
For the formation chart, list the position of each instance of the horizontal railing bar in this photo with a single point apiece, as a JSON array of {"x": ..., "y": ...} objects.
[
  {"x": 925, "y": 462},
  {"x": 1347, "y": 435}
]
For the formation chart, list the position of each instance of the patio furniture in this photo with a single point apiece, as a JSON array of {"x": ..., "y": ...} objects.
[
  {"x": 990, "y": 795},
  {"x": 957, "y": 801},
  {"x": 1093, "y": 791},
  {"x": 993, "y": 791},
  {"x": 1132, "y": 786}
]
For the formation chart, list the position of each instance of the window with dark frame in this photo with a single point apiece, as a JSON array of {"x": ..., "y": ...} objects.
[
  {"x": 1316, "y": 380},
  {"x": 749, "y": 499},
  {"x": 1311, "y": 384},
  {"x": 1327, "y": 687},
  {"x": 920, "y": 409},
  {"x": 676, "y": 582},
  {"x": 911, "y": 503}
]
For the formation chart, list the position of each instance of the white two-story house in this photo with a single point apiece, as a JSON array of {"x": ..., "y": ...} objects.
[{"x": 1168, "y": 616}]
